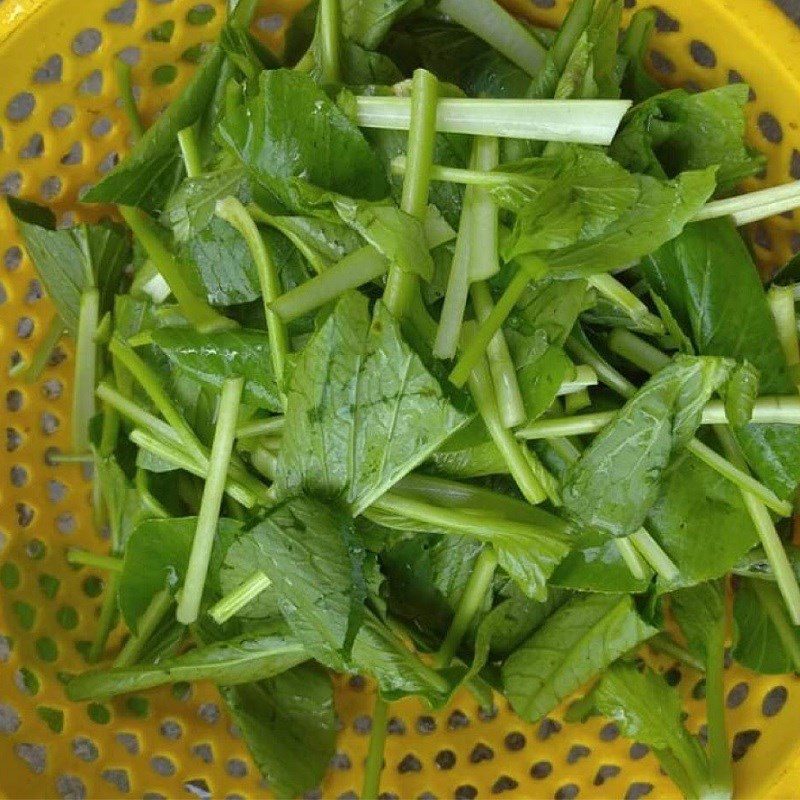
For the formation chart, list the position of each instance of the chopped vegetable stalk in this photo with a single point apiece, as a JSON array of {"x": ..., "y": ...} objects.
[
  {"x": 85, "y": 366},
  {"x": 233, "y": 602},
  {"x": 71, "y": 458},
  {"x": 471, "y": 177},
  {"x": 373, "y": 766},
  {"x": 501, "y": 365},
  {"x": 261, "y": 427},
  {"x": 329, "y": 31},
  {"x": 619, "y": 294},
  {"x": 577, "y": 401},
  {"x": 470, "y": 602},
  {"x": 498, "y": 28},
  {"x": 484, "y": 251},
  {"x": 357, "y": 268},
  {"x": 147, "y": 623},
  {"x": 87, "y": 559},
  {"x": 778, "y": 409},
  {"x": 190, "y": 152},
  {"x": 152, "y": 505},
  {"x": 753, "y": 206},
  {"x": 249, "y": 493},
  {"x": 631, "y": 558},
  {"x": 107, "y": 619},
  {"x": 235, "y": 214},
  {"x": 151, "y": 383},
  {"x": 195, "y": 309},
  {"x": 221, "y": 448},
  {"x": 770, "y": 541},
  {"x": 650, "y": 359},
  {"x": 584, "y": 377},
  {"x": 654, "y": 555},
  {"x": 480, "y": 385},
  {"x": 781, "y": 304},
  {"x": 122, "y": 71},
  {"x": 455, "y": 299},
  {"x": 580, "y": 121},
  {"x": 719, "y": 759},
  {"x": 479, "y": 340},
  {"x": 422, "y": 105},
  {"x": 30, "y": 372}
]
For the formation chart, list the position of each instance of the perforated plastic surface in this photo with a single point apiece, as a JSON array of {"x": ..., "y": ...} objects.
[{"x": 60, "y": 128}]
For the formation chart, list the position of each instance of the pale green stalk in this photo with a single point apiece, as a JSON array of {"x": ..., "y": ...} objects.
[
  {"x": 373, "y": 766},
  {"x": 261, "y": 427},
  {"x": 584, "y": 377},
  {"x": 329, "y": 26},
  {"x": 208, "y": 516},
  {"x": 577, "y": 401},
  {"x": 622, "y": 297},
  {"x": 29, "y": 372},
  {"x": 234, "y": 601},
  {"x": 85, "y": 367},
  {"x": 498, "y": 28},
  {"x": 234, "y": 213},
  {"x": 187, "y": 141},
  {"x": 146, "y": 625},
  {"x": 654, "y": 555},
  {"x": 501, "y": 365},
  {"x": 579, "y": 121},
  {"x": 85, "y": 558},
  {"x": 122, "y": 71},
  {"x": 781, "y": 304},
  {"x": 484, "y": 262},
  {"x": 631, "y": 558},
  {"x": 401, "y": 285},
  {"x": 357, "y": 268}
]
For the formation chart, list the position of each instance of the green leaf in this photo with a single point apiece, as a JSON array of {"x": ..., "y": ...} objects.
[
  {"x": 211, "y": 358},
  {"x": 632, "y": 452},
  {"x": 700, "y": 612},
  {"x": 242, "y": 660},
  {"x": 765, "y": 639},
  {"x": 157, "y": 555},
  {"x": 529, "y": 542},
  {"x": 700, "y": 521},
  {"x": 455, "y": 55},
  {"x": 366, "y": 22},
  {"x": 288, "y": 130},
  {"x": 694, "y": 274},
  {"x": 468, "y": 453},
  {"x": 288, "y": 724},
  {"x": 574, "y": 645},
  {"x": 592, "y": 216},
  {"x": 677, "y": 131},
  {"x": 649, "y": 711},
  {"x": 362, "y": 411},
  {"x": 149, "y": 173},
  {"x": 598, "y": 569},
  {"x": 71, "y": 260}
]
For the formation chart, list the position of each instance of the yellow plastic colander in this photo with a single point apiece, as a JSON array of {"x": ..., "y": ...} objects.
[{"x": 60, "y": 129}]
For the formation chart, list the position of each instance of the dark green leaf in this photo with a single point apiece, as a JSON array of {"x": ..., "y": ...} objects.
[
  {"x": 289, "y": 130},
  {"x": 741, "y": 394},
  {"x": 765, "y": 639},
  {"x": 71, "y": 260},
  {"x": 362, "y": 411},
  {"x": 149, "y": 173},
  {"x": 676, "y": 131},
  {"x": 211, "y": 358},
  {"x": 288, "y": 724},
  {"x": 598, "y": 569},
  {"x": 573, "y": 645},
  {"x": 694, "y": 274},
  {"x": 157, "y": 555},
  {"x": 632, "y": 452},
  {"x": 248, "y": 658},
  {"x": 700, "y": 613}
]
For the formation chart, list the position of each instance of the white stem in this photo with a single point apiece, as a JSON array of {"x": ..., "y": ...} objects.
[
  {"x": 754, "y": 206},
  {"x": 581, "y": 121}
]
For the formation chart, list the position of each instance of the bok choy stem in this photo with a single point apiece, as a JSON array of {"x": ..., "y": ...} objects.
[
  {"x": 107, "y": 619},
  {"x": 401, "y": 285},
  {"x": 492, "y": 23},
  {"x": 329, "y": 26},
  {"x": 122, "y": 72},
  {"x": 233, "y": 602},
  {"x": 781, "y": 304},
  {"x": 234, "y": 213},
  {"x": 187, "y": 141},
  {"x": 85, "y": 367},
  {"x": 30, "y": 372},
  {"x": 719, "y": 759},
  {"x": 619, "y": 294},
  {"x": 87, "y": 559},
  {"x": 580, "y": 121},
  {"x": 208, "y": 516},
  {"x": 147, "y": 623},
  {"x": 194, "y": 308},
  {"x": 373, "y": 766},
  {"x": 501, "y": 365},
  {"x": 355, "y": 269},
  {"x": 478, "y": 585},
  {"x": 654, "y": 555}
]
